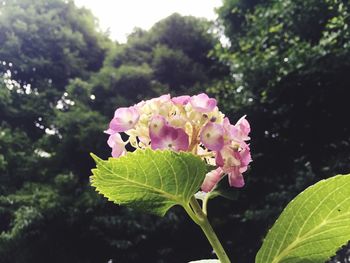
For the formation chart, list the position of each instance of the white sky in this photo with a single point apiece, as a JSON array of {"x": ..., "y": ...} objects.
[{"x": 122, "y": 16}]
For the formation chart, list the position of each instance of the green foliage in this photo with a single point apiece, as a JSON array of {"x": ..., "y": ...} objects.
[
  {"x": 77, "y": 78},
  {"x": 342, "y": 254},
  {"x": 42, "y": 45},
  {"x": 149, "y": 180},
  {"x": 313, "y": 226},
  {"x": 175, "y": 68},
  {"x": 35, "y": 34},
  {"x": 171, "y": 57},
  {"x": 288, "y": 63}
]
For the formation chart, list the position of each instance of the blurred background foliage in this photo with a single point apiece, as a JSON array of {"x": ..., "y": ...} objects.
[{"x": 284, "y": 63}]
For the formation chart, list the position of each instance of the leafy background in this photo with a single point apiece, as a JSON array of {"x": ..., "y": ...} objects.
[{"x": 285, "y": 63}]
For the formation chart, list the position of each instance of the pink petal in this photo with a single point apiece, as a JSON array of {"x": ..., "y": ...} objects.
[
  {"x": 234, "y": 163},
  {"x": 144, "y": 139},
  {"x": 243, "y": 169},
  {"x": 227, "y": 125},
  {"x": 243, "y": 124},
  {"x": 212, "y": 136},
  {"x": 228, "y": 158},
  {"x": 181, "y": 100},
  {"x": 117, "y": 144},
  {"x": 139, "y": 105},
  {"x": 180, "y": 139},
  {"x": 124, "y": 119},
  {"x": 156, "y": 126},
  {"x": 109, "y": 131},
  {"x": 203, "y": 103},
  {"x": 163, "y": 98},
  {"x": 118, "y": 151},
  {"x": 219, "y": 160},
  {"x": 235, "y": 178},
  {"x": 229, "y": 129},
  {"x": 171, "y": 138},
  {"x": 242, "y": 129},
  {"x": 211, "y": 179},
  {"x": 245, "y": 156}
]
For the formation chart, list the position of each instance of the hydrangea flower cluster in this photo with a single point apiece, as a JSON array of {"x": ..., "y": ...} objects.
[{"x": 193, "y": 124}]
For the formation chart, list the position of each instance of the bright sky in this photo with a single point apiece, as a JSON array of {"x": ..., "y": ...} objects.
[{"x": 122, "y": 16}]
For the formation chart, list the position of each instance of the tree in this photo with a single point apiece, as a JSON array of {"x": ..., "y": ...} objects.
[
  {"x": 42, "y": 45},
  {"x": 33, "y": 35},
  {"x": 171, "y": 57},
  {"x": 288, "y": 64},
  {"x": 61, "y": 79}
]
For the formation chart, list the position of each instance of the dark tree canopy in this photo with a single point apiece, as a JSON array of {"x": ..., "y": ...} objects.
[{"x": 289, "y": 75}]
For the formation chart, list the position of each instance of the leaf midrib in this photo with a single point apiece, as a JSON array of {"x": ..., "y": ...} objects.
[
  {"x": 167, "y": 195},
  {"x": 291, "y": 245},
  {"x": 299, "y": 239},
  {"x": 289, "y": 226}
]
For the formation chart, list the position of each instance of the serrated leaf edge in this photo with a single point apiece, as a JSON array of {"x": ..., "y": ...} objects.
[
  {"x": 281, "y": 253},
  {"x": 174, "y": 198}
]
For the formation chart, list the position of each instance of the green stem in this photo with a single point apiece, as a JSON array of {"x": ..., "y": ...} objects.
[
  {"x": 197, "y": 215},
  {"x": 205, "y": 204},
  {"x": 191, "y": 214}
]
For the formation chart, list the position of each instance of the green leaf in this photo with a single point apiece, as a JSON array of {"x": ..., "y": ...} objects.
[
  {"x": 222, "y": 188},
  {"x": 276, "y": 28},
  {"x": 313, "y": 225},
  {"x": 152, "y": 181}
]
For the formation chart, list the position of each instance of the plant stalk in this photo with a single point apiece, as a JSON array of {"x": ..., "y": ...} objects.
[{"x": 197, "y": 215}]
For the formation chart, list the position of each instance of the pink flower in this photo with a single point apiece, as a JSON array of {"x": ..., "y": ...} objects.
[
  {"x": 181, "y": 100},
  {"x": 235, "y": 178},
  {"x": 186, "y": 123},
  {"x": 228, "y": 157},
  {"x": 164, "y": 136},
  {"x": 124, "y": 119},
  {"x": 238, "y": 132},
  {"x": 139, "y": 105},
  {"x": 117, "y": 144},
  {"x": 245, "y": 156},
  {"x": 173, "y": 138},
  {"x": 162, "y": 99},
  {"x": 242, "y": 129},
  {"x": 203, "y": 103},
  {"x": 212, "y": 136},
  {"x": 156, "y": 126},
  {"x": 211, "y": 179},
  {"x": 234, "y": 163},
  {"x": 229, "y": 129}
]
